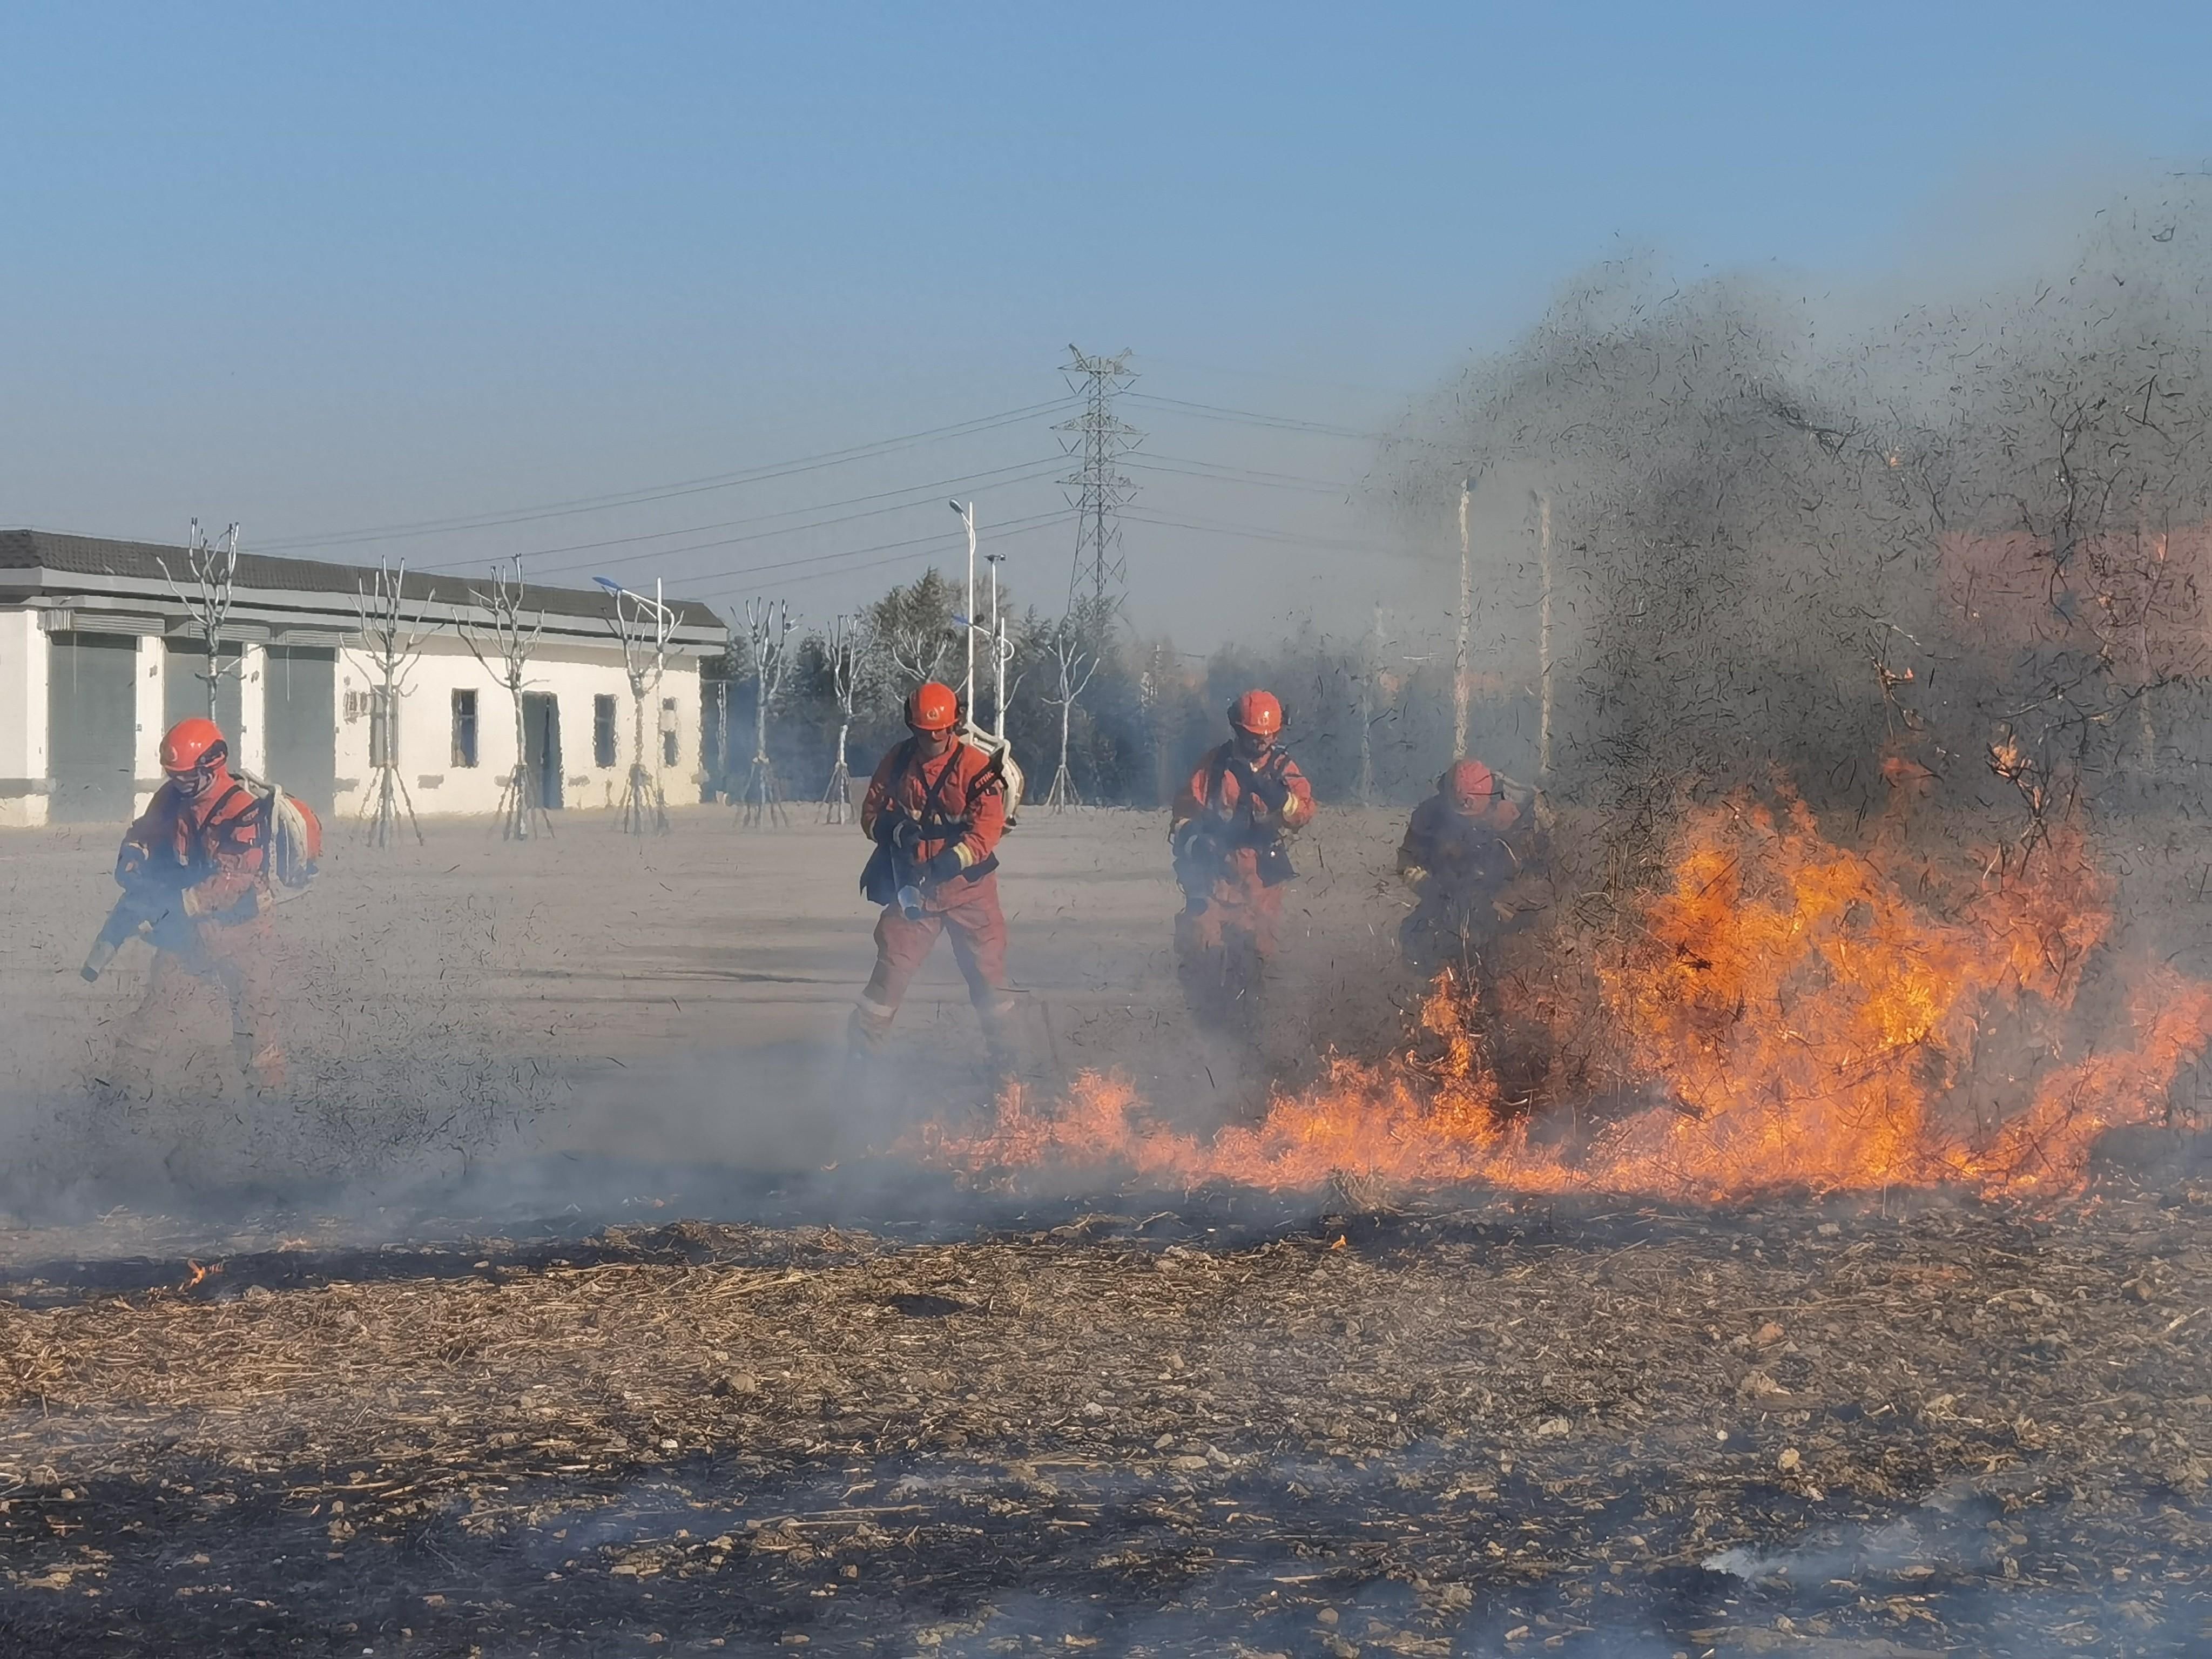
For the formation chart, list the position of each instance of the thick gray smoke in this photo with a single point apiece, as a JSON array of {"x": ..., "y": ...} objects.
[{"x": 1761, "y": 532}]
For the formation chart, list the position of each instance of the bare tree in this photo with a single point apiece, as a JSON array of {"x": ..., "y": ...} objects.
[
  {"x": 916, "y": 634},
  {"x": 768, "y": 627},
  {"x": 918, "y": 653},
  {"x": 212, "y": 567},
  {"x": 512, "y": 638},
  {"x": 644, "y": 626},
  {"x": 1076, "y": 665},
  {"x": 847, "y": 652},
  {"x": 393, "y": 645}
]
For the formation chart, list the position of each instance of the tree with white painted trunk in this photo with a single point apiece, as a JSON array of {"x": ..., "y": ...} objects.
[
  {"x": 644, "y": 626},
  {"x": 502, "y": 633},
  {"x": 846, "y": 652},
  {"x": 212, "y": 566},
  {"x": 392, "y": 644},
  {"x": 1076, "y": 661},
  {"x": 767, "y": 630}
]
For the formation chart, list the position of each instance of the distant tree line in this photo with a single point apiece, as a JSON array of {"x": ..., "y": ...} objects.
[{"x": 1139, "y": 726}]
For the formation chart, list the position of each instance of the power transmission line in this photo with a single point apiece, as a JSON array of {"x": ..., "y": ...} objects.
[
  {"x": 1246, "y": 416},
  {"x": 1152, "y": 455},
  {"x": 929, "y": 491},
  {"x": 1026, "y": 472},
  {"x": 1099, "y": 486},
  {"x": 895, "y": 548},
  {"x": 1230, "y": 478},
  {"x": 1276, "y": 376},
  {"x": 927, "y": 494},
  {"x": 1251, "y": 534},
  {"x": 665, "y": 492}
]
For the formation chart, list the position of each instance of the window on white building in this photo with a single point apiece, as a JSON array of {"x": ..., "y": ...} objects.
[
  {"x": 464, "y": 728},
  {"x": 603, "y": 731}
]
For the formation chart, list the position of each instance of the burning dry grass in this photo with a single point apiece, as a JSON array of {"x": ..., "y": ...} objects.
[{"x": 1806, "y": 1015}]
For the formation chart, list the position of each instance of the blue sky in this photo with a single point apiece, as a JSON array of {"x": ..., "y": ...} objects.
[{"x": 322, "y": 269}]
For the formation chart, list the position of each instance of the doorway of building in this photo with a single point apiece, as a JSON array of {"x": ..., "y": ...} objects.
[
  {"x": 91, "y": 725},
  {"x": 303, "y": 723},
  {"x": 541, "y": 736}
]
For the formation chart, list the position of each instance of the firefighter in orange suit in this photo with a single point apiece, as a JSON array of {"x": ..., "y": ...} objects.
[
  {"x": 1464, "y": 847},
  {"x": 935, "y": 809},
  {"x": 198, "y": 872},
  {"x": 1227, "y": 832}
]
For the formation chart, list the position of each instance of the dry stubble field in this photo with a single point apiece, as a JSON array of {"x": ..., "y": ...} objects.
[{"x": 604, "y": 1360}]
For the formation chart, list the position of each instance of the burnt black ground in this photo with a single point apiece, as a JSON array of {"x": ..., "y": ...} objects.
[
  {"x": 974, "y": 1562},
  {"x": 1567, "y": 1517}
]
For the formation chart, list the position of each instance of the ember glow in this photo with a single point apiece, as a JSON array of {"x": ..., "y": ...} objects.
[{"x": 1801, "y": 1015}]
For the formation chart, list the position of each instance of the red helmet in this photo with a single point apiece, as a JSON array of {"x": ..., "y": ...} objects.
[
  {"x": 193, "y": 745},
  {"x": 1469, "y": 782},
  {"x": 933, "y": 708},
  {"x": 1258, "y": 712}
]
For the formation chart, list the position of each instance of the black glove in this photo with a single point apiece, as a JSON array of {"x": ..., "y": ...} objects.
[
  {"x": 899, "y": 832},
  {"x": 1270, "y": 790},
  {"x": 946, "y": 866}
]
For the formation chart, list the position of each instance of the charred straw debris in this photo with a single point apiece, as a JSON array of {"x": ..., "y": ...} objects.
[{"x": 1507, "y": 1429}]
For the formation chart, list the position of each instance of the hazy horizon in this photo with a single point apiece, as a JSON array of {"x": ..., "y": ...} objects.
[{"x": 329, "y": 276}]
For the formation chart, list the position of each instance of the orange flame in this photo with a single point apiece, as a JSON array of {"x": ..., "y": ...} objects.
[{"x": 1808, "y": 1015}]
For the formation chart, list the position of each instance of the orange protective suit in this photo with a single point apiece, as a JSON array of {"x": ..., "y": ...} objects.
[
  {"x": 1460, "y": 855},
  {"x": 204, "y": 863},
  {"x": 959, "y": 803},
  {"x": 1222, "y": 832}
]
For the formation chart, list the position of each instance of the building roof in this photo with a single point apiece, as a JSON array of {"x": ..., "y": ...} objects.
[{"x": 306, "y": 593}]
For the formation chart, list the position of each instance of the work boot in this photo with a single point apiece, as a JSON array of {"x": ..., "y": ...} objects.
[
  {"x": 1001, "y": 1035},
  {"x": 867, "y": 1029}
]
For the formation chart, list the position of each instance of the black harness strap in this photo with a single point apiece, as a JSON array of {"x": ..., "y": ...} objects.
[
  {"x": 932, "y": 818},
  {"x": 936, "y": 825},
  {"x": 1228, "y": 763}
]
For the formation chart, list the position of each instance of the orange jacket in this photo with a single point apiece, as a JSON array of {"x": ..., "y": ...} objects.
[
  {"x": 1213, "y": 791},
  {"x": 211, "y": 851},
  {"x": 1466, "y": 853},
  {"x": 959, "y": 800}
]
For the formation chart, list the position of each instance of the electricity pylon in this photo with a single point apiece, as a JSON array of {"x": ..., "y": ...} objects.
[{"x": 1098, "y": 490}]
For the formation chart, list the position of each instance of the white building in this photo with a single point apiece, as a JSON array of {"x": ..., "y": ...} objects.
[{"x": 98, "y": 657}]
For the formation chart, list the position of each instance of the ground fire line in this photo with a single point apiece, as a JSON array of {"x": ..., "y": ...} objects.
[{"x": 1799, "y": 1015}]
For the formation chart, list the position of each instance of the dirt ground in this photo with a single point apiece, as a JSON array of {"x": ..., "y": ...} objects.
[
  {"x": 572, "y": 1307},
  {"x": 683, "y": 998}
]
